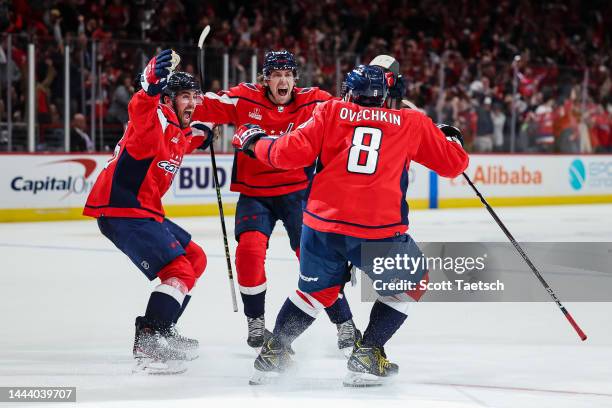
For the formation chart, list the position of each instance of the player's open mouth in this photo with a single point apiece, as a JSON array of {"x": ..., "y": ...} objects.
[
  {"x": 187, "y": 116},
  {"x": 283, "y": 91}
]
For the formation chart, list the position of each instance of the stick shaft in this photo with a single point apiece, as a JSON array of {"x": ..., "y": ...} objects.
[
  {"x": 230, "y": 274},
  {"x": 533, "y": 268}
]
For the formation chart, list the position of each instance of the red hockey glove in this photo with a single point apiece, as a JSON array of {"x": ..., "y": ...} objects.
[
  {"x": 245, "y": 138},
  {"x": 155, "y": 75}
]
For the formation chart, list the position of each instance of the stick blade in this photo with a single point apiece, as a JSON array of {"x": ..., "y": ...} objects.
[{"x": 203, "y": 36}]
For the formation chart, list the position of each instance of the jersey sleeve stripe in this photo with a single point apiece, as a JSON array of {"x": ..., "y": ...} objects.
[
  {"x": 163, "y": 121},
  {"x": 223, "y": 98},
  {"x": 307, "y": 104}
]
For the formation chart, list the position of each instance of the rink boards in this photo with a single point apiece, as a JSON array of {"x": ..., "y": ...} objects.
[{"x": 45, "y": 187}]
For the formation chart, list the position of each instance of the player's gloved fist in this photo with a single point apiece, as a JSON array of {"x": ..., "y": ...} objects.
[
  {"x": 155, "y": 76},
  {"x": 398, "y": 89},
  {"x": 246, "y": 136},
  {"x": 451, "y": 132},
  {"x": 203, "y": 130}
]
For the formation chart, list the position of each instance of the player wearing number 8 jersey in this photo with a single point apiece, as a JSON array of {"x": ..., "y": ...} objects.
[{"x": 357, "y": 196}]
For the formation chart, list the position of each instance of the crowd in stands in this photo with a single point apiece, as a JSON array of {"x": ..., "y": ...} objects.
[{"x": 461, "y": 60}]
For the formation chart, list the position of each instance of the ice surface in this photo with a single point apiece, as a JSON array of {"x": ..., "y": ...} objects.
[{"x": 68, "y": 300}]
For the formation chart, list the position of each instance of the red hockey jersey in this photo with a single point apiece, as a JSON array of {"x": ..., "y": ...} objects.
[
  {"x": 362, "y": 170},
  {"x": 248, "y": 103},
  {"x": 144, "y": 163}
]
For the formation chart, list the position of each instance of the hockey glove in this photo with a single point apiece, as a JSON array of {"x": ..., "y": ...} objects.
[
  {"x": 154, "y": 78},
  {"x": 398, "y": 89},
  {"x": 452, "y": 133},
  {"x": 246, "y": 136},
  {"x": 203, "y": 130}
]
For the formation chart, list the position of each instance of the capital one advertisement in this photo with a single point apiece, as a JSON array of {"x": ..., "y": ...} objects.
[{"x": 64, "y": 181}]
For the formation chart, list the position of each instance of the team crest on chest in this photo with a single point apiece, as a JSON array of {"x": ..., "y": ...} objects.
[{"x": 255, "y": 114}]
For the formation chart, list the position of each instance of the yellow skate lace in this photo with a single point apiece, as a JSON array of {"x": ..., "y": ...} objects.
[{"x": 383, "y": 363}]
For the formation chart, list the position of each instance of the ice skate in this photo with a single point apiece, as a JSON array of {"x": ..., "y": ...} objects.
[
  {"x": 268, "y": 336},
  {"x": 181, "y": 343},
  {"x": 257, "y": 331},
  {"x": 152, "y": 353},
  {"x": 368, "y": 367},
  {"x": 271, "y": 363},
  {"x": 348, "y": 335}
]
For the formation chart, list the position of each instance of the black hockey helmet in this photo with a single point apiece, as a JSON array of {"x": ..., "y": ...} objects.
[
  {"x": 181, "y": 81},
  {"x": 366, "y": 85},
  {"x": 275, "y": 60}
]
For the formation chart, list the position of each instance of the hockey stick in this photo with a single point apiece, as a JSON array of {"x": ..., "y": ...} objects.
[
  {"x": 520, "y": 250},
  {"x": 230, "y": 274}
]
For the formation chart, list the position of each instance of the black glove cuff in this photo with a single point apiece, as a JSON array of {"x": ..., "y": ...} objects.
[{"x": 246, "y": 148}]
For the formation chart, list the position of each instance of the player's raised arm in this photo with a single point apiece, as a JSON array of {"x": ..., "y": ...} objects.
[
  {"x": 441, "y": 148},
  {"x": 218, "y": 108},
  {"x": 294, "y": 150}
]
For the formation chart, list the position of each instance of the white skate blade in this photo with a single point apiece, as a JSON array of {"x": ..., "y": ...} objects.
[
  {"x": 149, "y": 366},
  {"x": 354, "y": 379},
  {"x": 191, "y": 354},
  {"x": 273, "y": 377},
  {"x": 264, "y": 377}
]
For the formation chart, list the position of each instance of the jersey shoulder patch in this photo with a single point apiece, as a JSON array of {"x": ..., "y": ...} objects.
[
  {"x": 250, "y": 86},
  {"x": 305, "y": 90}
]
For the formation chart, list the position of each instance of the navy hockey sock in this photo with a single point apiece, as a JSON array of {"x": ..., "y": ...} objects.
[
  {"x": 291, "y": 322},
  {"x": 254, "y": 305},
  {"x": 384, "y": 322},
  {"x": 340, "y": 311},
  {"x": 162, "y": 309},
  {"x": 180, "y": 313}
]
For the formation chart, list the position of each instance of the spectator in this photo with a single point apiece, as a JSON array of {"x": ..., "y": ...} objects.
[
  {"x": 79, "y": 139},
  {"x": 484, "y": 127},
  {"x": 601, "y": 131},
  {"x": 118, "y": 111},
  {"x": 558, "y": 43},
  {"x": 43, "y": 93},
  {"x": 567, "y": 126},
  {"x": 499, "y": 120},
  {"x": 544, "y": 138}
]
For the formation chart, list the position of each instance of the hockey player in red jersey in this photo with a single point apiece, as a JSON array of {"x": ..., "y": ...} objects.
[
  {"x": 126, "y": 200},
  {"x": 269, "y": 194},
  {"x": 356, "y": 198}
]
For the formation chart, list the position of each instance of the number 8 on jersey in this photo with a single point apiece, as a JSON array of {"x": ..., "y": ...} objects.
[{"x": 363, "y": 156}]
